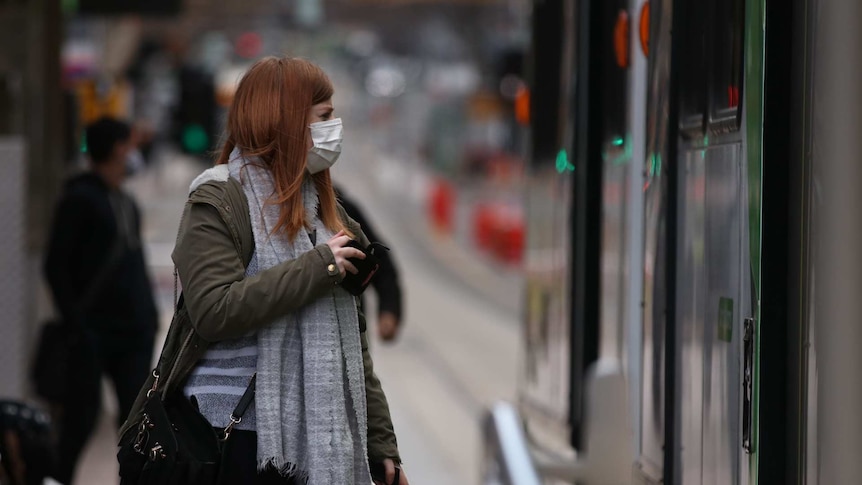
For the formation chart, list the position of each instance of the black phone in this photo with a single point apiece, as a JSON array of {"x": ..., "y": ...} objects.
[
  {"x": 378, "y": 473},
  {"x": 355, "y": 284}
]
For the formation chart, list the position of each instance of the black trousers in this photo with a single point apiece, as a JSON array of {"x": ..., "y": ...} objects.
[
  {"x": 127, "y": 362},
  {"x": 239, "y": 463}
]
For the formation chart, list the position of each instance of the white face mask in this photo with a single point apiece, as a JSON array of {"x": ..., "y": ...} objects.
[{"x": 326, "y": 136}]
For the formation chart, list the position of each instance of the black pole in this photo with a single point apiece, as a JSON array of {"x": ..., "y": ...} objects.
[{"x": 672, "y": 385}]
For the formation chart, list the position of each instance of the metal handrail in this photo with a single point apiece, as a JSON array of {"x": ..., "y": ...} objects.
[
  {"x": 607, "y": 439},
  {"x": 507, "y": 446}
]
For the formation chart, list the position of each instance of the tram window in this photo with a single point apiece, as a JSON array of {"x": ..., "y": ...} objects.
[
  {"x": 693, "y": 67},
  {"x": 727, "y": 58}
]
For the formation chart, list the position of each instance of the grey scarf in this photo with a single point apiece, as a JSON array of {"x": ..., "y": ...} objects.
[{"x": 310, "y": 399}]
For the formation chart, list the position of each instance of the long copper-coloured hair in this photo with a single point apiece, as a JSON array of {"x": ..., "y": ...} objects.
[{"x": 269, "y": 119}]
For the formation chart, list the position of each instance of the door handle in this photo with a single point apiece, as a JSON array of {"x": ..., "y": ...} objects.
[{"x": 747, "y": 384}]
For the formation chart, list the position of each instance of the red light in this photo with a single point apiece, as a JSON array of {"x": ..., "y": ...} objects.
[
  {"x": 644, "y": 28},
  {"x": 621, "y": 39},
  {"x": 522, "y": 106},
  {"x": 732, "y": 96}
]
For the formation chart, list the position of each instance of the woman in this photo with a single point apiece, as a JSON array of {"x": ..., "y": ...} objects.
[{"x": 260, "y": 252}]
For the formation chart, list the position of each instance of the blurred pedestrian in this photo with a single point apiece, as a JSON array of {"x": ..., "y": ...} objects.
[
  {"x": 96, "y": 271},
  {"x": 385, "y": 282},
  {"x": 260, "y": 252}
]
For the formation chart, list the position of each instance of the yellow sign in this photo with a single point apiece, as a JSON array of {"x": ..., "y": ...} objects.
[{"x": 96, "y": 101}]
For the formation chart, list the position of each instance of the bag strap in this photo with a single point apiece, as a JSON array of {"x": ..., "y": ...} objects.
[
  {"x": 241, "y": 407},
  {"x": 157, "y": 371},
  {"x": 238, "y": 412},
  {"x": 178, "y": 303},
  {"x": 248, "y": 396}
]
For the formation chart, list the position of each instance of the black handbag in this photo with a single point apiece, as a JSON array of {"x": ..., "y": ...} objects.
[
  {"x": 54, "y": 356},
  {"x": 173, "y": 443}
]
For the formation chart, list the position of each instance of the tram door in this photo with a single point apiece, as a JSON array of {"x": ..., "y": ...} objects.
[
  {"x": 713, "y": 290},
  {"x": 547, "y": 380},
  {"x": 697, "y": 249}
]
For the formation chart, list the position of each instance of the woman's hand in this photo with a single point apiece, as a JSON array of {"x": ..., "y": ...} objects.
[
  {"x": 342, "y": 253},
  {"x": 390, "y": 474}
]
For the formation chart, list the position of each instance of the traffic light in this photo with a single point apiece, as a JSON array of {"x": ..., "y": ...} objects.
[{"x": 195, "y": 129}]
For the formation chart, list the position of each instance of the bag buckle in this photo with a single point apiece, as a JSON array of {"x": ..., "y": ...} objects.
[
  {"x": 143, "y": 433},
  {"x": 155, "y": 384},
  {"x": 157, "y": 452},
  {"x": 229, "y": 428}
]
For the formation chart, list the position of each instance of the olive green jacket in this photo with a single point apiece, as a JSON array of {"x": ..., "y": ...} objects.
[{"x": 214, "y": 245}]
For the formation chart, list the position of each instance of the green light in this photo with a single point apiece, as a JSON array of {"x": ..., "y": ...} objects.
[
  {"x": 195, "y": 139},
  {"x": 563, "y": 164},
  {"x": 658, "y": 165},
  {"x": 84, "y": 143},
  {"x": 622, "y": 156}
]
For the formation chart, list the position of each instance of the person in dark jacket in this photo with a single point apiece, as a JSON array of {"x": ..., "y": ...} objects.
[
  {"x": 96, "y": 271},
  {"x": 385, "y": 282}
]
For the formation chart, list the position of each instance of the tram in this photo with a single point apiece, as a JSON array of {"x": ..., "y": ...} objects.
[{"x": 669, "y": 219}]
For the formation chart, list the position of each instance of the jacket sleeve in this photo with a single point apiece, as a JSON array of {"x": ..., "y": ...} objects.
[
  {"x": 222, "y": 302},
  {"x": 382, "y": 443},
  {"x": 64, "y": 247}
]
